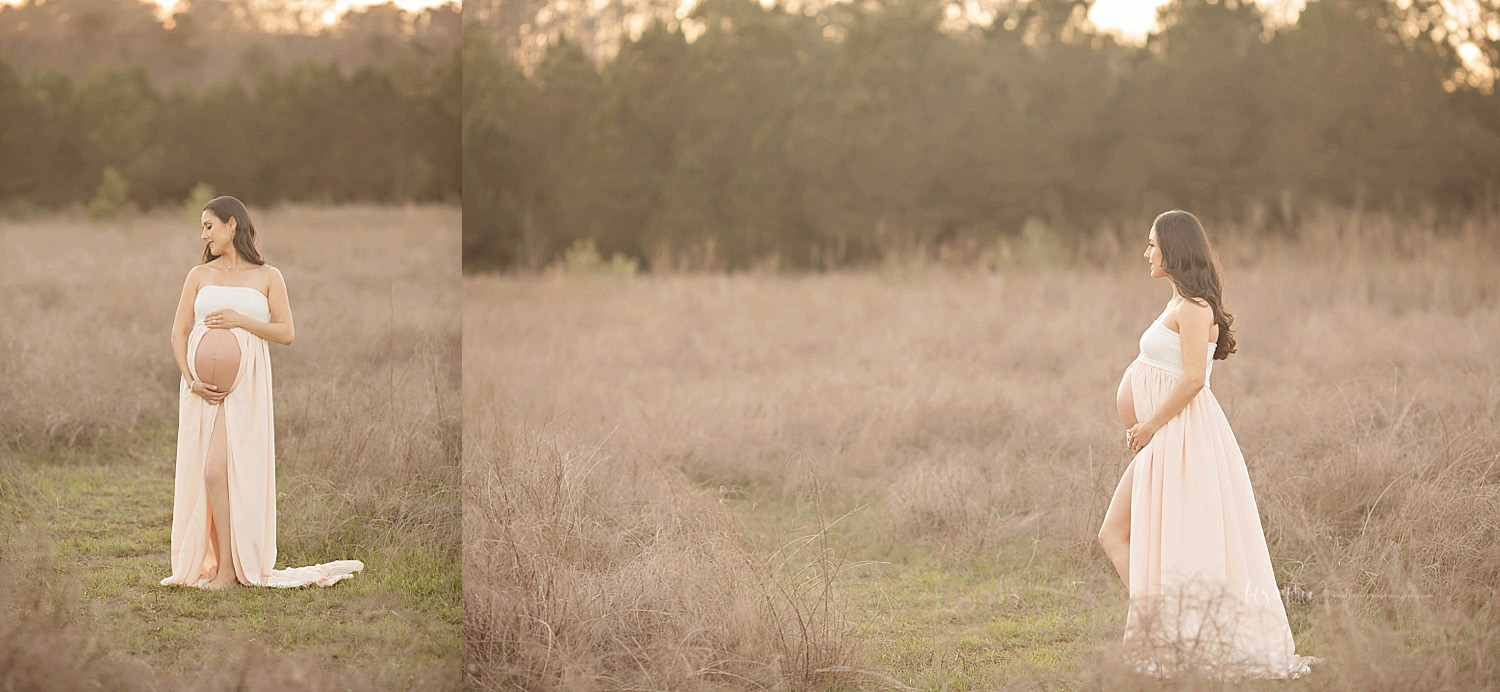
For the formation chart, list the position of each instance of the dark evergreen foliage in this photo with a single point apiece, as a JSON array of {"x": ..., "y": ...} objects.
[{"x": 841, "y": 135}]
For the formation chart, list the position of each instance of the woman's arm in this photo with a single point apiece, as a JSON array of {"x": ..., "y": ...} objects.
[
  {"x": 1194, "y": 321},
  {"x": 279, "y": 329},
  {"x": 182, "y": 322}
]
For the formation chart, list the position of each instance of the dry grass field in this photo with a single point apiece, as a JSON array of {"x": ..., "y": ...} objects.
[
  {"x": 894, "y": 478},
  {"x": 367, "y": 429}
]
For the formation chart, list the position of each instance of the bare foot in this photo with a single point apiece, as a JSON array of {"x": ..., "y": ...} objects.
[{"x": 218, "y": 583}]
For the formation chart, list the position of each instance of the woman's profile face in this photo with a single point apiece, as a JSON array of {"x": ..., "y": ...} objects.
[
  {"x": 1153, "y": 255},
  {"x": 218, "y": 234}
]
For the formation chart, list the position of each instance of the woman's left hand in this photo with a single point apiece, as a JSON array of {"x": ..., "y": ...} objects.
[
  {"x": 224, "y": 319},
  {"x": 1139, "y": 436}
]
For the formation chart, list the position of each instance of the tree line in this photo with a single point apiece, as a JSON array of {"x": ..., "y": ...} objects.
[
  {"x": 110, "y": 103},
  {"x": 206, "y": 42},
  {"x": 836, "y": 135},
  {"x": 307, "y": 133}
]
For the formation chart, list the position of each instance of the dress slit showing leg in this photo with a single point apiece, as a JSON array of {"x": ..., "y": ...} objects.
[
  {"x": 1203, "y": 593},
  {"x": 223, "y": 556},
  {"x": 250, "y": 470}
]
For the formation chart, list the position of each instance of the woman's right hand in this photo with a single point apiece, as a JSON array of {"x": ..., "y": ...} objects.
[{"x": 210, "y": 393}]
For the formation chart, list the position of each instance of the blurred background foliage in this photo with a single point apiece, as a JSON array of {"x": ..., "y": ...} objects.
[
  {"x": 113, "y": 103},
  {"x": 836, "y": 134}
]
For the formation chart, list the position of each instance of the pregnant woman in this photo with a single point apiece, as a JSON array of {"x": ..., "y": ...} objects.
[
  {"x": 1183, "y": 529},
  {"x": 224, "y": 512}
]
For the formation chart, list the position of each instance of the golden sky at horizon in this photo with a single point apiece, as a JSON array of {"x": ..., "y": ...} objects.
[
  {"x": 1131, "y": 18},
  {"x": 339, "y": 7}
]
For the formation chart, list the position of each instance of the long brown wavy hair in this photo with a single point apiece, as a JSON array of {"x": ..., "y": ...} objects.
[
  {"x": 244, "y": 231},
  {"x": 1193, "y": 266}
]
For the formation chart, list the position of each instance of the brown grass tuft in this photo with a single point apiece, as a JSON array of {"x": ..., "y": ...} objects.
[{"x": 585, "y": 570}]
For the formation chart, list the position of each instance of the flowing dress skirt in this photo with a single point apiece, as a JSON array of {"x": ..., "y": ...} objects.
[
  {"x": 1203, "y": 595},
  {"x": 248, "y": 423}
]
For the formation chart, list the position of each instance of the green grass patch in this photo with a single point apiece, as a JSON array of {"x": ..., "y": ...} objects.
[
  {"x": 939, "y": 617},
  {"x": 100, "y": 532}
]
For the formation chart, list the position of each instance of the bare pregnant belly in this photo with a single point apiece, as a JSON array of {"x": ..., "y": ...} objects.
[
  {"x": 1125, "y": 401},
  {"x": 217, "y": 359}
]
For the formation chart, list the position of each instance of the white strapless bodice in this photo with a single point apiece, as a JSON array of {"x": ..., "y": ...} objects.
[
  {"x": 1162, "y": 348},
  {"x": 245, "y": 300}
]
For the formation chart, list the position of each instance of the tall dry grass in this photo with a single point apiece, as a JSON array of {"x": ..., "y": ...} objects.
[
  {"x": 970, "y": 407},
  {"x": 585, "y": 571},
  {"x": 366, "y": 398}
]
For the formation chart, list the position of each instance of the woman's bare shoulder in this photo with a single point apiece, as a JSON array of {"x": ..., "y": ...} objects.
[
  {"x": 1195, "y": 316},
  {"x": 1187, "y": 311},
  {"x": 1194, "y": 309}
]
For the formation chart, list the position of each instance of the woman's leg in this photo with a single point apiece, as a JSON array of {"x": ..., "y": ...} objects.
[
  {"x": 1114, "y": 535},
  {"x": 216, "y": 475},
  {"x": 217, "y": 361}
]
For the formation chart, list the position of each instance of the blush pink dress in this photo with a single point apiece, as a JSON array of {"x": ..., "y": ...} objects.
[
  {"x": 1203, "y": 596},
  {"x": 248, "y": 422}
]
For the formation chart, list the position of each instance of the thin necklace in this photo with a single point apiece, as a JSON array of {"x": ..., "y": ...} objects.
[{"x": 232, "y": 266}]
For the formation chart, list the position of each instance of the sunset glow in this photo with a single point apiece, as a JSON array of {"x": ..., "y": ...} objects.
[
  {"x": 338, "y": 9},
  {"x": 1131, "y": 18}
]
